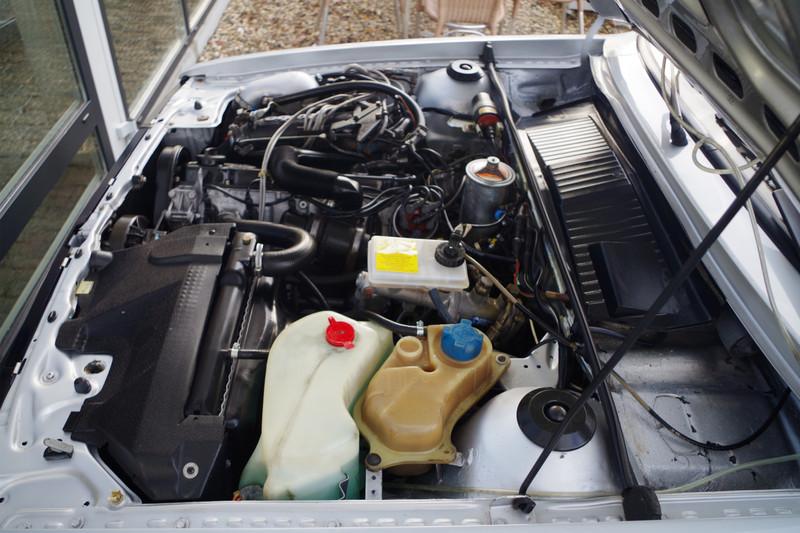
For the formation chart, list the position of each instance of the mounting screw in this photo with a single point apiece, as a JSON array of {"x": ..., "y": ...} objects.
[
  {"x": 49, "y": 377},
  {"x": 373, "y": 459},
  {"x": 190, "y": 470}
]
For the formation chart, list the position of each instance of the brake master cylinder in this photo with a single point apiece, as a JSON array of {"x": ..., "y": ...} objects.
[
  {"x": 412, "y": 403},
  {"x": 309, "y": 442}
]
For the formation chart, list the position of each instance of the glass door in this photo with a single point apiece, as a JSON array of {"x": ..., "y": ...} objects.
[{"x": 53, "y": 147}]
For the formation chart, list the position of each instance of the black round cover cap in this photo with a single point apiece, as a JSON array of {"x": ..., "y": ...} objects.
[
  {"x": 540, "y": 412},
  {"x": 464, "y": 70}
]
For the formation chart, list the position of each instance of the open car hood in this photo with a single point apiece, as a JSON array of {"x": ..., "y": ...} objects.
[{"x": 743, "y": 54}]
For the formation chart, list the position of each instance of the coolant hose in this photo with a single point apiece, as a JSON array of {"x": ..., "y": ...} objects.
[{"x": 299, "y": 246}]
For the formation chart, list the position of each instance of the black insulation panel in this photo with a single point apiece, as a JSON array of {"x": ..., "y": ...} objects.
[{"x": 148, "y": 308}]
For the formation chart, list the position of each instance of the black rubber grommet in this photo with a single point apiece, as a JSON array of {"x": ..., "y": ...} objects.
[
  {"x": 541, "y": 411},
  {"x": 464, "y": 70}
]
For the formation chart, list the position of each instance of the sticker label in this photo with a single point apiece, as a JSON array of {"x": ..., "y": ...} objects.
[{"x": 397, "y": 255}]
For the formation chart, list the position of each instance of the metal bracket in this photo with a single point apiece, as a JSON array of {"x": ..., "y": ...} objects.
[{"x": 373, "y": 488}]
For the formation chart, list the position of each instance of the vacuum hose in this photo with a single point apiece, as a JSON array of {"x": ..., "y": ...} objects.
[{"x": 299, "y": 246}]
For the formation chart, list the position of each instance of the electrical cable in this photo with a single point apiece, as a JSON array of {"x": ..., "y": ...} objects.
[
  {"x": 362, "y": 85},
  {"x": 318, "y": 293},
  {"x": 708, "y": 445},
  {"x": 226, "y": 193},
  {"x": 677, "y": 280},
  {"x": 543, "y": 342},
  {"x": 518, "y": 305},
  {"x": 391, "y": 325}
]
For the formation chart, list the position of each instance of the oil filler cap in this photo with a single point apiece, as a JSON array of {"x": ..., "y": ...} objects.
[
  {"x": 340, "y": 333},
  {"x": 461, "y": 341}
]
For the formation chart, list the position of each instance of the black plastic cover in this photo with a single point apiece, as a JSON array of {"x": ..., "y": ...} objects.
[
  {"x": 631, "y": 277},
  {"x": 148, "y": 308}
]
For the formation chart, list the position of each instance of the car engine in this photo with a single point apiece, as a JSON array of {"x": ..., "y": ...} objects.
[{"x": 345, "y": 289}]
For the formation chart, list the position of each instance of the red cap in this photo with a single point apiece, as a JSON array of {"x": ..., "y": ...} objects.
[{"x": 340, "y": 333}]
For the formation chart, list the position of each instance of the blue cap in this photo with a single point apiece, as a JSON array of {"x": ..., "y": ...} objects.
[{"x": 461, "y": 341}]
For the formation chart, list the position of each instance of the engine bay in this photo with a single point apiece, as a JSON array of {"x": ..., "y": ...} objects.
[{"x": 346, "y": 290}]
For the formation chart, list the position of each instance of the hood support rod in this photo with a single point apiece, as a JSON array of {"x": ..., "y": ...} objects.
[{"x": 784, "y": 144}]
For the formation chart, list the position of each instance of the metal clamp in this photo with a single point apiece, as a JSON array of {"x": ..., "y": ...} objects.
[{"x": 259, "y": 259}]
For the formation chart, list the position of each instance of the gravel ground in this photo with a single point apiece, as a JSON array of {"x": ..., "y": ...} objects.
[{"x": 253, "y": 26}]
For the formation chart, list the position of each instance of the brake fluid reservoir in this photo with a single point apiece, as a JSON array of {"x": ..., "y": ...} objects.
[
  {"x": 397, "y": 262},
  {"x": 412, "y": 403},
  {"x": 317, "y": 366}
]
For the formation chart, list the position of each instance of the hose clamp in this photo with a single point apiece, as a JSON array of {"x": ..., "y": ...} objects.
[{"x": 259, "y": 259}]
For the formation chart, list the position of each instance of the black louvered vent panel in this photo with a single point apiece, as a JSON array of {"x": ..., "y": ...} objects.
[{"x": 597, "y": 199}]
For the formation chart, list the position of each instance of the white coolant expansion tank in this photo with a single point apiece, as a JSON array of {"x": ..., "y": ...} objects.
[{"x": 316, "y": 369}]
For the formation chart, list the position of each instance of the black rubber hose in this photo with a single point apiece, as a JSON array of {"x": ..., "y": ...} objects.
[
  {"x": 347, "y": 86},
  {"x": 314, "y": 289},
  {"x": 299, "y": 246},
  {"x": 709, "y": 445},
  {"x": 294, "y": 177},
  {"x": 391, "y": 325}
]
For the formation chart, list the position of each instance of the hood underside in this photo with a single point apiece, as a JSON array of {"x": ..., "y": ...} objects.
[{"x": 741, "y": 53}]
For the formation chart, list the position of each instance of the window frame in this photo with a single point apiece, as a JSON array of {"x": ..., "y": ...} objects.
[
  {"x": 41, "y": 174},
  {"x": 140, "y": 109},
  {"x": 84, "y": 120}
]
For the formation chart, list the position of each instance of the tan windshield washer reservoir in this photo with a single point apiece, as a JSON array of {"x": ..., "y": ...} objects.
[{"x": 410, "y": 406}]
